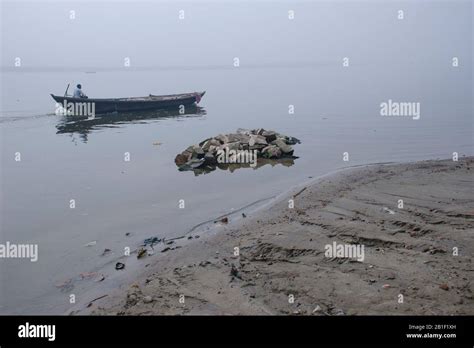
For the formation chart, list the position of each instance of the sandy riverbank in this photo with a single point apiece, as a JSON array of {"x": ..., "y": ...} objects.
[{"x": 408, "y": 252}]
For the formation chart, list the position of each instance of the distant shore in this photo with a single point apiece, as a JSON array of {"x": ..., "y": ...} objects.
[{"x": 417, "y": 251}]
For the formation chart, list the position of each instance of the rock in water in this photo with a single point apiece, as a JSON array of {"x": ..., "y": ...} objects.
[
  {"x": 206, "y": 145},
  {"x": 292, "y": 140},
  {"x": 182, "y": 158},
  {"x": 230, "y": 146},
  {"x": 269, "y": 136},
  {"x": 261, "y": 143},
  {"x": 286, "y": 149},
  {"x": 257, "y": 139},
  {"x": 198, "y": 152},
  {"x": 271, "y": 151},
  {"x": 222, "y": 138},
  {"x": 193, "y": 164},
  {"x": 209, "y": 158}
]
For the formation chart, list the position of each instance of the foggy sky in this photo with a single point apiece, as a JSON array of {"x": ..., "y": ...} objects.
[{"x": 213, "y": 33}]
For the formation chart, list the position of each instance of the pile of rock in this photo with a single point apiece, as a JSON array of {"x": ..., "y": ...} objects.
[{"x": 263, "y": 143}]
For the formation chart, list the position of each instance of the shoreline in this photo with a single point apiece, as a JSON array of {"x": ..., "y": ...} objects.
[{"x": 281, "y": 251}]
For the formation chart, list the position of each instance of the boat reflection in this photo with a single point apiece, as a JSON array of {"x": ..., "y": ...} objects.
[{"x": 83, "y": 125}]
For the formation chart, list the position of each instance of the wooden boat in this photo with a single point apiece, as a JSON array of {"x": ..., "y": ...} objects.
[{"x": 152, "y": 102}]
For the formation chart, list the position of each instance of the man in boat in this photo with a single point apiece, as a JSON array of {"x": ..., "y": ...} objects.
[{"x": 78, "y": 92}]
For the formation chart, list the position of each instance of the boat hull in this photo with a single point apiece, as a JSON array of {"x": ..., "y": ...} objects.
[{"x": 102, "y": 106}]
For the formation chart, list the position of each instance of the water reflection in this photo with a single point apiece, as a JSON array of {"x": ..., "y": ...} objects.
[
  {"x": 83, "y": 125},
  {"x": 285, "y": 161}
]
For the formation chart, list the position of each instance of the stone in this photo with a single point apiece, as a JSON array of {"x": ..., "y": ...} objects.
[
  {"x": 257, "y": 139},
  {"x": 286, "y": 149},
  {"x": 243, "y": 131},
  {"x": 258, "y": 147},
  {"x": 209, "y": 158},
  {"x": 240, "y": 138},
  {"x": 269, "y": 136},
  {"x": 190, "y": 149},
  {"x": 215, "y": 142},
  {"x": 261, "y": 142},
  {"x": 195, "y": 163},
  {"x": 233, "y": 146},
  {"x": 271, "y": 151},
  {"x": 201, "y": 144},
  {"x": 222, "y": 138},
  {"x": 224, "y": 220},
  {"x": 234, "y": 272},
  {"x": 198, "y": 152},
  {"x": 233, "y": 138},
  {"x": 192, "y": 164},
  {"x": 229, "y": 146},
  {"x": 182, "y": 158},
  {"x": 206, "y": 145},
  {"x": 147, "y": 299},
  {"x": 444, "y": 286},
  {"x": 292, "y": 141}
]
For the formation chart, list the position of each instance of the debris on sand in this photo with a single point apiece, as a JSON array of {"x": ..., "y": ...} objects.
[
  {"x": 119, "y": 266},
  {"x": 241, "y": 148},
  {"x": 152, "y": 241},
  {"x": 87, "y": 275},
  {"x": 147, "y": 299},
  {"x": 234, "y": 272},
  {"x": 391, "y": 212},
  {"x": 141, "y": 253},
  {"x": 65, "y": 286},
  {"x": 224, "y": 221},
  {"x": 444, "y": 286}
]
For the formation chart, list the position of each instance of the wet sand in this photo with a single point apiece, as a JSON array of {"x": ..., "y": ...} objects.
[{"x": 409, "y": 252}]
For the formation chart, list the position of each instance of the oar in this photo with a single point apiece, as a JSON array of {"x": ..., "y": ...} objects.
[{"x": 65, "y": 93}]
